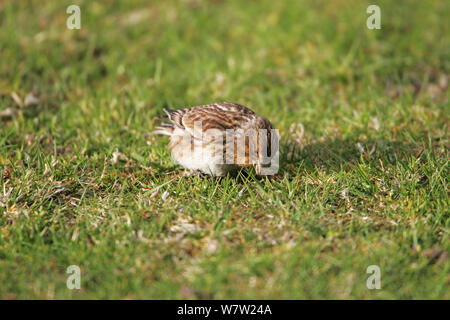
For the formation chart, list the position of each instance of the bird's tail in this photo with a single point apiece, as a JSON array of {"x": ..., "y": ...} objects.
[{"x": 165, "y": 128}]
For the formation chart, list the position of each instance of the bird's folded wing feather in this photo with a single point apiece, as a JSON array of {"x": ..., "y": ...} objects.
[{"x": 212, "y": 118}]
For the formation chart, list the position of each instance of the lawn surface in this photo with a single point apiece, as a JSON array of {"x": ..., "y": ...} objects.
[{"x": 363, "y": 117}]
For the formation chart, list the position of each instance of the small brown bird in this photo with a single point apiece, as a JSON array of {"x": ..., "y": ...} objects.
[{"x": 219, "y": 138}]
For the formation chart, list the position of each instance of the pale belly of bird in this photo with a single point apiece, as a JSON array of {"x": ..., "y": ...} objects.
[{"x": 210, "y": 156}]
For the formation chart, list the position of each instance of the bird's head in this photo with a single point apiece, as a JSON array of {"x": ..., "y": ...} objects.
[{"x": 267, "y": 144}]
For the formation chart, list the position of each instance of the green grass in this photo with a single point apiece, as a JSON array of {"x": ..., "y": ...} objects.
[{"x": 84, "y": 183}]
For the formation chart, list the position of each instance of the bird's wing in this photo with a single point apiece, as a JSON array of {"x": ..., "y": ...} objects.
[{"x": 220, "y": 116}]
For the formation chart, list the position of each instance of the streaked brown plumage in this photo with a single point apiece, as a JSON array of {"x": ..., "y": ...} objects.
[{"x": 218, "y": 138}]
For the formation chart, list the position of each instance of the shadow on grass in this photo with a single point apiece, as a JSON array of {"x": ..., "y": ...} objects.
[{"x": 335, "y": 154}]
